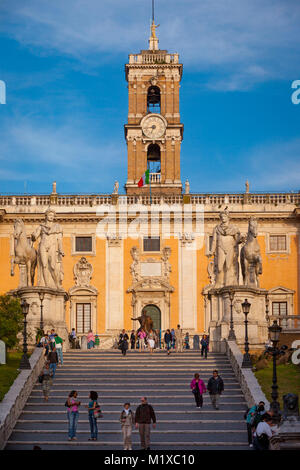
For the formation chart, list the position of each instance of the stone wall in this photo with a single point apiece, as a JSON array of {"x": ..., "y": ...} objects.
[
  {"x": 15, "y": 399},
  {"x": 248, "y": 382}
]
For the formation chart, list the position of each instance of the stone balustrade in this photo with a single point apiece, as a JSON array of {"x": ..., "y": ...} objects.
[{"x": 208, "y": 200}]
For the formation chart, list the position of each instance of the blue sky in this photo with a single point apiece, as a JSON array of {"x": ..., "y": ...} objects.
[{"x": 66, "y": 103}]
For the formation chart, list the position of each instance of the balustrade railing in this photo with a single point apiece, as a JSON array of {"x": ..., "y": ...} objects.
[{"x": 215, "y": 200}]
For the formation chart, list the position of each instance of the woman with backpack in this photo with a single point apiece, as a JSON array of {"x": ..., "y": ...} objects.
[
  {"x": 73, "y": 414},
  {"x": 94, "y": 412}
]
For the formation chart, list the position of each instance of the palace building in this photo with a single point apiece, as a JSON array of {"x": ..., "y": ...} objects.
[{"x": 105, "y": 259}]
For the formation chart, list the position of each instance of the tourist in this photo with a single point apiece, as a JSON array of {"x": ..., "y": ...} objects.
[
  {"x": 123, "y": 342},
  {"x": 46, "y": 380},
  {"x": 173, "y": 338},
  {"x": 253, "y": 417},
  {"x": 73, "y": 414},
  {"x": 93, "y": 410},
  {"x": 142, "y": 335},
  {"x": 187, "y": 341},
  {"x": 151, "y": 340},
  {"x": 90, "y": 340},
  {"x": 143, "y": 416},
  {"x": 127, "y": 421},
  {"x": 215, "y": 388},
  {"x": 52, "y": 334},
  {"x": 59, "y": 344},
  {"x": 168, "y": 340},
  {"x": 178, "y": 338},
  {"x": 204, "y": 345},
  {"x": 132, "y": 339},
  {"x": 198, "y": 388},
  {"x": 53, "y": 359},
  {"x": 72, "y": 338},
  {"x": 263, "y": 433},
  {"x": 158, "y": 339},
  {"x": 45, "y": 343}
]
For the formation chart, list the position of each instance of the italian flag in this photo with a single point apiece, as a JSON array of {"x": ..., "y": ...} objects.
[{"x": 144, "y": 179}]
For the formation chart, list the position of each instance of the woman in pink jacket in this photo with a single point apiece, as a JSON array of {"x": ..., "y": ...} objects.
[
  {"x": 90, "y": 340},
  {"x": 198, "y": 388}
]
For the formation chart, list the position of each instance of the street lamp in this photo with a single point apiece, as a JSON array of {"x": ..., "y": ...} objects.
[
  {"x": 246, "y": 359},
  {"x": 231, "y": 336},
  {"x": 41, "y": 296},
  {"x": 25, "y": 364},
  {"x": 274, "y": 333}
]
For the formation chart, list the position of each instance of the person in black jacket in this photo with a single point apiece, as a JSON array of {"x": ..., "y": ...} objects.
[
  {"x": 52, "y": 359},
  {"x": 123, "y": 342},
  {"x": 168, "y": 340},
  {"x": 132, "y": 339},
  {"x": 215, "y": 388},
  {"x": 143, "y": 416}
]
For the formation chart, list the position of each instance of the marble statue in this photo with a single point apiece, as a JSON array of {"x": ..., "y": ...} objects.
[
  {"x": 247, "y": 186},
  {"x": 225, "y": 248},
  {"x": 23, "y": 252},
  {"x": 187, "y": 187},
  {"x": 134, "y": 266},
  {"x": 50, "y": 252},
  {"x": 116, "y": 188},
  {"x": 251, "y": 261}
]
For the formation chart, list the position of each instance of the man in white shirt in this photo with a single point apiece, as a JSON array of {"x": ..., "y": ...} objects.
[{"x": 263, "y": 433}]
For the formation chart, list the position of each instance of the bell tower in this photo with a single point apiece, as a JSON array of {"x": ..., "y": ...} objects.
[{"x": 153, "y": 132}]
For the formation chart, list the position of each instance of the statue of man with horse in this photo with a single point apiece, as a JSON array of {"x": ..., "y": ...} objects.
[{"x": 251, "y": 261}]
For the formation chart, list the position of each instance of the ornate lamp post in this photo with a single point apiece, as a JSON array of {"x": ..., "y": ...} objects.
[
  {"x": 42, "y": 296},
  {"x": 25, "y": 364},
  {"x": 231, "y": 336},
  {"x": 246, "y": 359},
  {"x": 274, "y": 332}
]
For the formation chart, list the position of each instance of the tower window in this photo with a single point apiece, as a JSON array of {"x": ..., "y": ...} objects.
[
  {"x": 153, "y": 158},
  {"x": 153, "y": 100}
]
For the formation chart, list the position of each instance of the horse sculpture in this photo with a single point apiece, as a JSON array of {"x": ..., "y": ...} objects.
[
  {"x": 24, "y": 253},
  {"x": 251, "y": 261}
]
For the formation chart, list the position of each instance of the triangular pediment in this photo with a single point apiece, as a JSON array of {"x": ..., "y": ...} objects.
[{"x": 281, "y": 290}]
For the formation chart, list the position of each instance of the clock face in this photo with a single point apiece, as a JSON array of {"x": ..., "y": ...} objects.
[{"x": 153, "y": 127}]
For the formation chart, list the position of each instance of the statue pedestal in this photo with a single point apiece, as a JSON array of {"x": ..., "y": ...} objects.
[
  {"x": 217, "y": 316},
  {"x": 54, "y": 316}
]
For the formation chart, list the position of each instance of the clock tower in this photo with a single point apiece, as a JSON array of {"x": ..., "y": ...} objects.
[{"x": 153, "y": 132}]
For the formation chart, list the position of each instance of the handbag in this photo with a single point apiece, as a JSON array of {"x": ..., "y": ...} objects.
[{"x": 98, "y": 412}]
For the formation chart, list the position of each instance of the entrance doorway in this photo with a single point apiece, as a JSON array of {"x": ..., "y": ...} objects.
[{"x": 155, "y": 314}]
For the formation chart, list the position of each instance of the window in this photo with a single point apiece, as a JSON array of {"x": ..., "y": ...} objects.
[
  {"x": 277, "y": 243},
  {"x": 153, "y": 100},
  {"x": 279, "y": 308},
  {"x": 83, "y": 318},
  {"x": 210, "y": 240},
  {"x": 84, "y": 244},
  {"x": 152, "y": 244}
]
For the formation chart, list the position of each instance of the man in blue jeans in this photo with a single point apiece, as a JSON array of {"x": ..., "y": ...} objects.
[
  {"x": 52, "y": 358},
  {"x": 58, "y": 345}
]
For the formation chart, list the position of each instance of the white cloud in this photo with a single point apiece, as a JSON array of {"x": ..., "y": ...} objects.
[
  {"x": 39, "y": 152},
  {"x": 237, "y": 39}
]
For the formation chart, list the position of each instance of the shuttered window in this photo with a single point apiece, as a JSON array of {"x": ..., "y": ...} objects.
[
  {"x": 83, "y": 318},
  {"x": 279, "y": 308},
  {"x": 277, "y": 243},
  {"x": 152, "y": 244},
  {"x": 84, "y": 244}
]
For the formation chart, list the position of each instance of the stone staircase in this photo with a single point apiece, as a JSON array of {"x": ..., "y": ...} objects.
[{"x": 163, "y": 379}]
